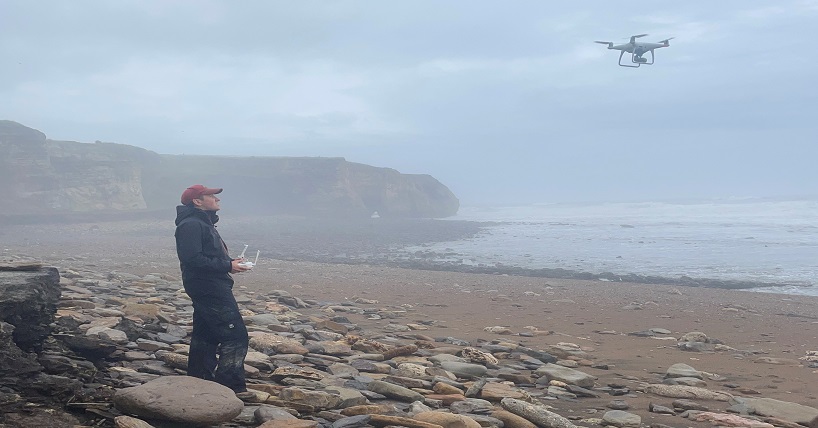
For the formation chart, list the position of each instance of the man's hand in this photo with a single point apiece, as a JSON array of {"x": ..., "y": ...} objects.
[{"x": 236, "y": 268}]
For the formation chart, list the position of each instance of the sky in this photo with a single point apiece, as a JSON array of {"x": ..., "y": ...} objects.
[{"x": 503, "y": 102}]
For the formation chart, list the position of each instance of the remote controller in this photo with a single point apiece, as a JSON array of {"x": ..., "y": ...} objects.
[{"x": 248, "y": 263}]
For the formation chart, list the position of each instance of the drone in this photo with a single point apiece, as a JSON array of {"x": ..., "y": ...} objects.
[{"x": 637, "y": 49}]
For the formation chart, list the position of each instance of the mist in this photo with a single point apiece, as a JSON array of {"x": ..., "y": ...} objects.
[{"x": 503, "y": 103}]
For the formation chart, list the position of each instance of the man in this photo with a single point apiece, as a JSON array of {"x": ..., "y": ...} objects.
[{"x": 206, "y": 267}]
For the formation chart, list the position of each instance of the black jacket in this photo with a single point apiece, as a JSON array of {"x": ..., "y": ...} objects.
[{"x": 202, "y": 254}]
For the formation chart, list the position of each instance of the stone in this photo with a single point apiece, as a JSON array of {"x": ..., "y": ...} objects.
[
  {"x": 656, "y": 408},
  {"x": 621, "y": 419},
  {"x": 130, "y": 422},
  {"x": 398, "y": 351},
  {"x": 397, "y": 392},
  {"x": 369, "y": 409},
  {"x": 494, "y": 391},
  {"x": 777, "y": 361},
  {"x": 359, "y": 421},
  {"x": 182, "y": 399},
  {"x": 464, "y": 370},
  {"x": 694, "y": 336},
  {"x": 28, "y": 302},
  {"x": 445, "y": 388},
  {"x": 317, "y": 399},
  {"x": 472, "y": 405},
  {"x": 348, "y": 396},
  {"x": 262, "y": 320},
  {"x": 477, "y": 356},
  {"x": 511, "y": 420},
  {"x": 269, "y": 344},
  {"x": 728, "y": 420},
  {"x": 683, "y": 404},
  {"x": 683, "y": 370},
  {"x": 267, "y": 412},
  {"x": 385, "y": 420},
  {"x": 289, "y": 423},
  {"x": 785, "y": 410},
  {"x": 689, "y": 392},
  {"x": 618, "y": 405},
  {"x": 537, "y": 414},
  {"x": 447, "y": 420},
  {"x": 565, "y": 374}
]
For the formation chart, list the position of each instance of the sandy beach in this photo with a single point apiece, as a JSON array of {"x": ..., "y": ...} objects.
[{"x": 763, "y": 335}]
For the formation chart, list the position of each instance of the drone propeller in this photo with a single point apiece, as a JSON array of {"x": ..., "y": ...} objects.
[
  {"x": 602, "y": 43},
  {"x": 633, "y": 38},
  {"x": 667, "y": 40}
]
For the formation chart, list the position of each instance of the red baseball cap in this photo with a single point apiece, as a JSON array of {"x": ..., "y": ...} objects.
[{"x": 197, "y": 191}]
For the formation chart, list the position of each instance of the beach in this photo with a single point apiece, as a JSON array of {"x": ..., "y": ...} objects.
[{"x": 628, "y": 333}]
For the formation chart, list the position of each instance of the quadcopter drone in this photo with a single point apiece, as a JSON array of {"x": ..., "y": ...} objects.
[{"x": 637, "y": 49}]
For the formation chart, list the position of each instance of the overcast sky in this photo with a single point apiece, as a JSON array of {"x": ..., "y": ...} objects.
[{"x": 503, "y": 102}]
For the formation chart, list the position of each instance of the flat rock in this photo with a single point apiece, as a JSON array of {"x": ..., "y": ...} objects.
[
  {"x": 395, "y": 391},
  {"x": 447, "y": 420},
  {"x": 566, "y": 374},
  {"x": 620, "y": 418},
  {"x": 689, "y": 392},
  {"x": 785, "y": 410}
]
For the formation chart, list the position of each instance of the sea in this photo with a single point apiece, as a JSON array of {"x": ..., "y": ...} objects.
[{"x": 755, "y": 240}]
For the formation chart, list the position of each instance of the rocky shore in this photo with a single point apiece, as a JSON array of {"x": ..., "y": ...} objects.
[{"x": 349, "y": 345}]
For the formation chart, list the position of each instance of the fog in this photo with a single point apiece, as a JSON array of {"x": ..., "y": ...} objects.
[{"x": 504, "y": 102}]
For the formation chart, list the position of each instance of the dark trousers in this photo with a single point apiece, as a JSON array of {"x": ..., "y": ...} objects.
[{"x": 218, "y": 331}]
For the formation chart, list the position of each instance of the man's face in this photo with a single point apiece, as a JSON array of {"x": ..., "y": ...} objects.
[{"x": 207, "y": 203}]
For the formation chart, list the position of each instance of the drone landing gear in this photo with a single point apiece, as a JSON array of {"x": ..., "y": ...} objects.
[{"x": 636, "y": 59}]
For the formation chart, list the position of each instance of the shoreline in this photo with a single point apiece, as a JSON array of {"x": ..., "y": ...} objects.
[
  {"x": 433, "y": 262},
  {"x": 377, "y": 242}
]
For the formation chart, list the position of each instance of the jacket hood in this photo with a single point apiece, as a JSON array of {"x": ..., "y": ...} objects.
[{"x": 185, "y": 211}]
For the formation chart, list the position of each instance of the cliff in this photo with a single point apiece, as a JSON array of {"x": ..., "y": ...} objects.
[{"x": 42, "y": 176}]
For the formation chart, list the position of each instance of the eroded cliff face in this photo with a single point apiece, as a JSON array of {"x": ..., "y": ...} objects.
[
  {"x": 41, "y": 175},
  {"x": 46, "y": 176}
]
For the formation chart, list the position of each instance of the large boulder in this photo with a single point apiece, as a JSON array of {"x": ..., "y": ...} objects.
[
  {"x": 181, "y": 399},
  {"x": 28, "y": 302}
]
